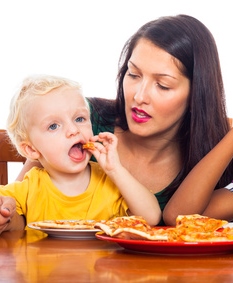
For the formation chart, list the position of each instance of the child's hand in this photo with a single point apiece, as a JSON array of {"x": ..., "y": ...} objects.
[
  {"x": 7, "y": 210},
  {"x": 105, "y": 151}
]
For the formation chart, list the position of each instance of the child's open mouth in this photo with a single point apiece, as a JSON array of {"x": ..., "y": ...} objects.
[{"x": 76, "y": 151}]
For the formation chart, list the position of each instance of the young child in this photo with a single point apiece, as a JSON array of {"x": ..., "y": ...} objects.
[{"x": 49, "y": 121}]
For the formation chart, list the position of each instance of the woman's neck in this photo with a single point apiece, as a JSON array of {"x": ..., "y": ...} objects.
[
  {"x": 154, "y": 162},
  {"x": 151, "y": 148}
]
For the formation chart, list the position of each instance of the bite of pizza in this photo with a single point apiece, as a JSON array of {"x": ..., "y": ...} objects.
[{"x": 89, "y": 145}]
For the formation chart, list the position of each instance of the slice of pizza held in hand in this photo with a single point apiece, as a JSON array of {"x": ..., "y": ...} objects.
[{"x": 89, "y": 145}]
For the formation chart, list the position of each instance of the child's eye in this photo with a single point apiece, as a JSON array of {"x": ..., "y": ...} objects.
[
  {"x": 79, "y": 119},
  {"x": 53, "y": 127}
]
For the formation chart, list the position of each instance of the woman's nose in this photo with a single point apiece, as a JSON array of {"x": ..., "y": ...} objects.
[{"x": 142, "y": 93}]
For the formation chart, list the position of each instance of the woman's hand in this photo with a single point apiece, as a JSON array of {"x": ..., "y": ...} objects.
[{"x": 7, "y": 211}]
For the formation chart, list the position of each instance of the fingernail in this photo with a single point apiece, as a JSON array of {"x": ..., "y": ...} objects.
[{"x": 6, "y": 208}]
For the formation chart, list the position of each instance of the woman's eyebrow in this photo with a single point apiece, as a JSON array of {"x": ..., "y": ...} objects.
[{"x": 155, "y": 74}]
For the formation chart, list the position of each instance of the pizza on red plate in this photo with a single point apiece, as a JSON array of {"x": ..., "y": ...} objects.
[
  {"x": 189, "y": 228},
  {"x": 130, "y": 227}
]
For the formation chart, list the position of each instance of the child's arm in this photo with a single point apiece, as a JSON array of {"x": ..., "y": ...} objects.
[
  {"x": 9, "y": 219},
  {"x": 195, "y": 194},
  {"x": 139, "y": 199}
]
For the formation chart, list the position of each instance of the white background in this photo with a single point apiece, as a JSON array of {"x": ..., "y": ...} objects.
[{"x": 82, "y": 40}]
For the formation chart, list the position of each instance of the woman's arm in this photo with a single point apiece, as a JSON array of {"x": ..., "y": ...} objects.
[
  {"x": 138, "y": 198},
  {"x": 27, "y": 166},
  {"x": 196, "y": 192}
]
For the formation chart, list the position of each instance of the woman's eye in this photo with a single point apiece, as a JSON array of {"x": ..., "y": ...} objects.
[
  {"x": 162, "y": 87},
  {"x": 79, "y": 119},
  {"x": 134, "y": 76},
  {"x": 53, "y": 127}
]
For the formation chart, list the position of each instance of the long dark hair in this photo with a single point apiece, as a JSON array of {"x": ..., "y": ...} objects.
[{"x": 205, "y": 121}]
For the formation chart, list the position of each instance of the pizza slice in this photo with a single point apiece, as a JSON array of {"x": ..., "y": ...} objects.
[
  {"x": 89, "y": 145},
  {"x": 199, "y": 223},
  {"x": 130, "y": 227}
]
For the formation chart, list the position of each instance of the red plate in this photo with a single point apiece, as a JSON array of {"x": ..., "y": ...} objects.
[{"x": 159, "y": 247}]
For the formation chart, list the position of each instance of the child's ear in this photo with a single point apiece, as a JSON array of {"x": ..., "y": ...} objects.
[{"x": 29, "y": 151}]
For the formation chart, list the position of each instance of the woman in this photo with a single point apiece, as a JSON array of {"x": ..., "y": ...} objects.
[{"x": 169, "y": 111}]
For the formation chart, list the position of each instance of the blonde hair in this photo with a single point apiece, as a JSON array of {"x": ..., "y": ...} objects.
[{"x": 31, "y": 87}]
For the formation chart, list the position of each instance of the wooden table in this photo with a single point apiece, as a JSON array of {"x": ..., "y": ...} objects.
[{"x": 31, "y": 256}]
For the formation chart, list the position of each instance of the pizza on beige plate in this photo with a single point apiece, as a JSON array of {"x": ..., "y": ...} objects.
[{"x": 65, "y": 224}]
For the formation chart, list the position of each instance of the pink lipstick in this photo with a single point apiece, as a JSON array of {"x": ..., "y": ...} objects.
[{"x": 140, "y": 116}]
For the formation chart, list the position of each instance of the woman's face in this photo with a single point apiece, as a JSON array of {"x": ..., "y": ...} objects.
[{"x": 156, "y": 92}]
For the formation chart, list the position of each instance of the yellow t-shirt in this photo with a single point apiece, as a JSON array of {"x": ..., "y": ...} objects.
[{"x": 38, "y": 198}]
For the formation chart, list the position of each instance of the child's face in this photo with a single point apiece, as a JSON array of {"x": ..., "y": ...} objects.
[{"x": 59, "y": 123}]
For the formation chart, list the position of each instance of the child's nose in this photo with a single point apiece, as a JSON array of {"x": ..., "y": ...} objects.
[{"x": 73, "y": 129}]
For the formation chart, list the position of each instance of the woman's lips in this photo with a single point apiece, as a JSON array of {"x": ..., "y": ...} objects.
[{"x": 140, "y": 116}]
